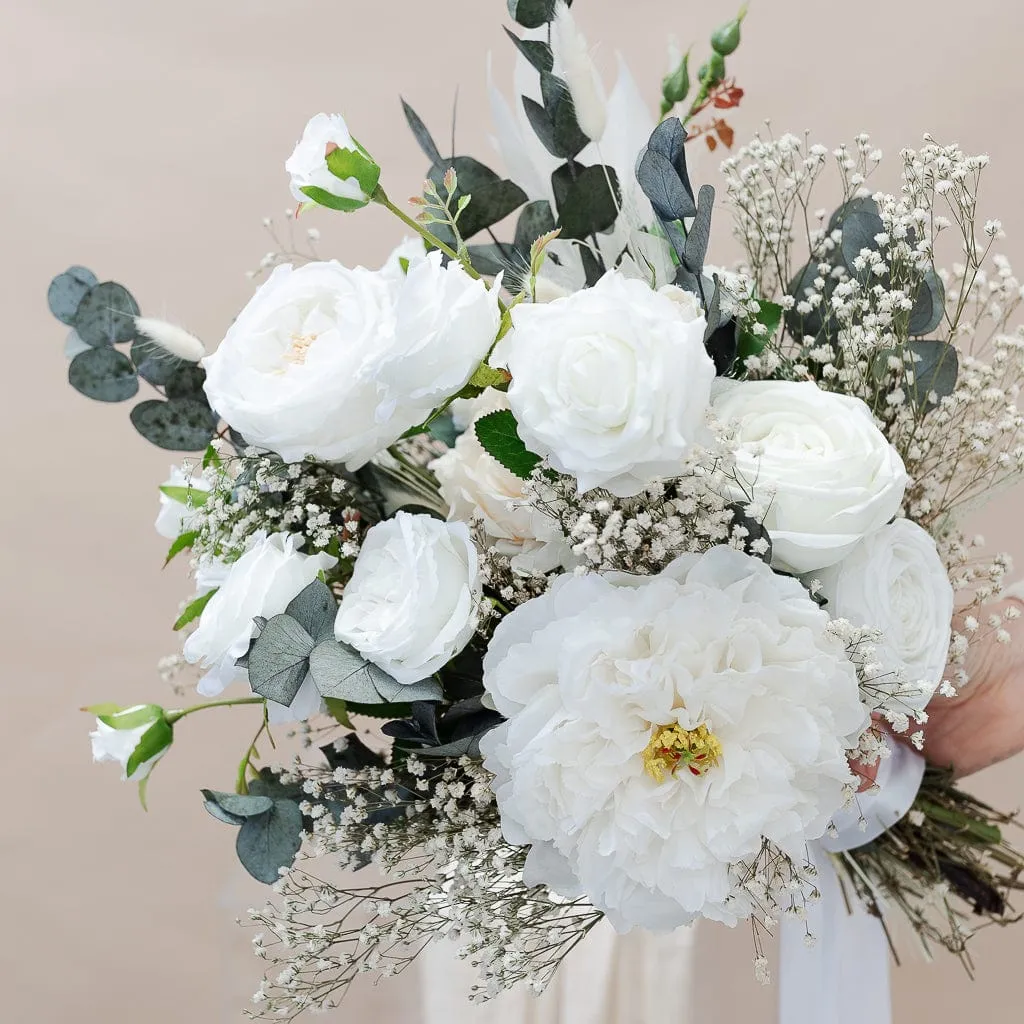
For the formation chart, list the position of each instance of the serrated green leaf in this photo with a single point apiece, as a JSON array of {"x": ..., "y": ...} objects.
[
  {"x": 194, "y": 610},
  {"x": 498, "y": 432},
  {"x": 182, "y": 542},
  {"x": 338, "y": 710}
]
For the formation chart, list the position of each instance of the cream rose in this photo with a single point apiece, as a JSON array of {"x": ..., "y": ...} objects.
[
  {"x": 414, "y": 596},
  {"x": 610, "y": 384},
  {"x": 815, "y": 460},
  {"x": 894, "y": 580}
]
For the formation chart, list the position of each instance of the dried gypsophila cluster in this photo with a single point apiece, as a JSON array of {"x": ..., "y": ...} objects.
[{"x": 435, "y": 831}]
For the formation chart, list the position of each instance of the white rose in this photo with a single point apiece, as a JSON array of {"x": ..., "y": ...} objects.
[
  {"x": 894, "y": 580},
  {"x": 175, "y": 517},
  {"x": 110, "y": 744},
  {"x": 312, "y": 178},
  {"x": 413, "y": 599},
  {"x": 476, "y": 485},
  {"x": 650, "y": 824},
  {"x": 405, "y": 255},
  {"x": 262, "y": 582},
  {"x": 610, "y": 384},
  {"x": 338, "y": 363},
  {"x": 816, "y": 462}
]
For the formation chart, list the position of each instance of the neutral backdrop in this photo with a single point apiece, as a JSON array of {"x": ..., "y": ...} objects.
[{"x": 146, "y": 140}]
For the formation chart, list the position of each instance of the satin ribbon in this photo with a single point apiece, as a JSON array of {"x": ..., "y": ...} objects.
[{"x": 844, "y": 977}]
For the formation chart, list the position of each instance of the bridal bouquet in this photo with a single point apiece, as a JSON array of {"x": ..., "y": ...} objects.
[{"x": 607, "y": 582}]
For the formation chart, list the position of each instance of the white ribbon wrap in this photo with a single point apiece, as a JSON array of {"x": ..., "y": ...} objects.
[{"x": 844, "y": 977}]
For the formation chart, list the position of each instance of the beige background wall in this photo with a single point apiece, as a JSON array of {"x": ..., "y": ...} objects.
[{"x": 146, "y": 140}]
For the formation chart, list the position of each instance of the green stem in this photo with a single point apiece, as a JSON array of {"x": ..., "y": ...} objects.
[
  {"x": 176, "y": 716},
  {"x": 381, "y": 197},
  {"x": 241, "y": 782}
]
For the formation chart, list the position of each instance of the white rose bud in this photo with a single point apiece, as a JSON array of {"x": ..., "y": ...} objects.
[
  {"x": 330, "y": 168},
  {"x": 610, "y": 384},
  {"x": 135, "y": 737},
  {"x": 894, "y": 580},
  {"x": 177, "y": 517},
  {"x": 261, "y": 583},
  {"x": 816, "y": 461},
  {"x": 414, "y": 596}
]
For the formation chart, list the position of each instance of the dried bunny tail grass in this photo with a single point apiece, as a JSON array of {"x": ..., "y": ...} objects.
[
  {"x": 174, "y": 340},
  {"x": 572, "y": 58}
]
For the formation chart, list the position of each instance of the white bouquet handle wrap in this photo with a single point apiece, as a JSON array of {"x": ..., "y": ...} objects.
[{"x": 844, "y": 977}]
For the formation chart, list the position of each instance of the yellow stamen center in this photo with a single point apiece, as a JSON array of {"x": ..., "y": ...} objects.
[
  {"x": 299, "y": 348},
  {"x": 671, "y": 746}
]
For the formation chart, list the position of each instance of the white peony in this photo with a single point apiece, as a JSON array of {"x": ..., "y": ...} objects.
[
  {"x": 816, "y": 461},
  {"x": 594, "y": 675},
  {"x": 414, "y": 596},
  {"x": 262, "y": 582},
  {"x": 338, "y": 363},
  {"x": 109, "y": 744},
  {"x": 476, "y": 485},
  {"x": 894, "y": 580},
  {"x": 175, "y": 517},
  {"x": 310, "y": 175},
  {"x": 611, "y": 384}
]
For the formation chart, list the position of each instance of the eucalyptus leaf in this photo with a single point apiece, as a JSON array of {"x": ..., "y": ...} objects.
[
  {"x": 104, "y": 374},
  {"x": 315, "y": 608},
  {"x": 421, "y": 134},
  {"x": 936, "y": 368},
  {"x": 269, "y": 841},
  {"x": 498, "y": 433},
  {"x": 66, "y": 292},
  {"x": 152, "y": 362},
  {"x": 182, "y": 425},
  {"x": 468, "y": 746},
  {"x": 186, "y": 381},
  {"x": 663, "y": 187},
  {"x": 106, "y": 315},
  {"x": 491, "y": 259},
  {"x": 669, "y": 140},
  {"x": 531, "y": 13},
  {"x": 929, "y": 305},
  {"x": 859, "y": 221},
  {"x": 586, "y": 205},
  {"x": 493, "y": 197},
  {"x": 537, "y": 52},
  {"x": 698, "y": 236},
  {"x": 340, "y": 671},
  {"x": 535, "y": 220},
  {"x": 235, "y": 807},
  {"x": 279, "y": 659}
]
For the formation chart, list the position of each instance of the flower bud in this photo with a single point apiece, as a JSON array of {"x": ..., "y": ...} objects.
[
  {"x": 330, "y": 168},
  {"x": 136, "y": 737},
  {"x": 676, "y": 84},
  {"x": 726, "y": 38},
  {"x": 713, "y": 71}
]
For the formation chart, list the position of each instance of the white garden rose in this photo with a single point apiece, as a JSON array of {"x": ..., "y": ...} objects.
[
  {"x": 261, "y": 583},
  {"x": 175, "y": 517},
  {"x": 894, "y": 581},
  {"x": 110, "y": 744},
  {"x": 477, "y": 486},
  {"x": 338, "y": 363},
  {"x": 816, "y": 462},
  {"x": 413, "y": 600},
  {"x": 610, "y": 384},
  {"x": 660, "y": 728},
  {"x": 311, "y": 177}
]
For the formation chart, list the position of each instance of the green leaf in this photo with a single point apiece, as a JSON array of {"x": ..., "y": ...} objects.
[
  {"x": 538, "y": 53},
  {"x": 751, "y": 344},
  {"x": 929, "y": 305},
  {"x": 935, "y": 369},
  {"x": 211, "y": 457},
  {"x": 498, "y": 432},
  {"x": 268, "y": 842},
  {"x": 182, "y": 542},
  {"x": 156, "y": 739},
  {"x": 234, "y": 808},
  {"x": 531, "y": 13},
  {"x": 103, "y": 374},
  {"x": 494, "y": 198},
  {"x": 66, "y": 292},
  {"x": 322, "y": 197},
  {"x": 194, "y": 497},
  {"x": 338, "y": 710},
  {"x": 315, "y": 608},
  {"x": 353, "y": 163},
  {"x": 279, "y": 659},
  {"x": 342, "y": 672},
  {"x": 102, "y": 709},
  {"x": 186, "y": 381},
  {"x": 194, "y": 610},
  {"x": 586, "y": 206},
  {"x": 485, "y": 376},
  {"x": 106, "y": 315},
  {"x": 182, "y": 425},
  {"x": 131, "y": 718},
  {"x": 422, "y": 135}
]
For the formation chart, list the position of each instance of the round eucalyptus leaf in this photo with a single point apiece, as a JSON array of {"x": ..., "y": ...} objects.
[
  {"x": 106, "y": 315},
  {"x": 182, "y": 425},
  {"x": 67, "y": 291},
  {"x": 154, "y": 365},
  {"x": 268, "y": 842},
  {"x": 73, "y": 344},
  {"x": 186, "y": 381},
  {"x": 103, "y": 374}
]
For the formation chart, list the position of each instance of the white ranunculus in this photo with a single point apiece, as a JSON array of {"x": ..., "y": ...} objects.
[
  {"x": 611, "y": 384},
  {"x": 413, "y": 600},
  {"x": 175, "y": 517},
  {"x": 308, "y": 169},
  {"x": 815, "y": 459},
  {"x": 894, "y": 580},
  {"x": 476, "y": 485},
  {"x": 109, "y": 744},
  {"x": 338, "y": 363},
  {"x": 590, "y": 674},
  {"x": 262, "y": 582}
]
